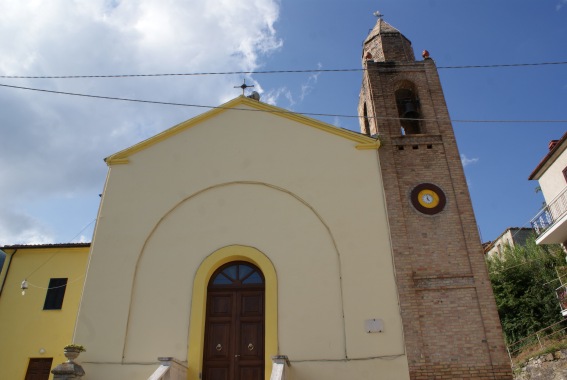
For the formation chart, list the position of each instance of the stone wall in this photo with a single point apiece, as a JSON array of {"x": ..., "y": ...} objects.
[{"x": 551, "y": 366}]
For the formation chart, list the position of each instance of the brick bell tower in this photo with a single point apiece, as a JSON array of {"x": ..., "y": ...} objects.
[{"x": 451, "y": 325}]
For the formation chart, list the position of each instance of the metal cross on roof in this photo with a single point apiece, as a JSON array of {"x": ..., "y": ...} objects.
[{"x": 243, "y": 86}]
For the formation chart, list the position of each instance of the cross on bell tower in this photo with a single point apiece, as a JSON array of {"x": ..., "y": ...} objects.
[{"x": 451, "y": 326}]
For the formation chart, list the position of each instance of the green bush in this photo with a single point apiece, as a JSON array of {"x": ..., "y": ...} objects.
[{"x": 524, "y": 280}]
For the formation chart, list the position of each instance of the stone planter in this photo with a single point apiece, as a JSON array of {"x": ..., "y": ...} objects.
[
  {"x": 71, "y": 354},
  {"x": 69, "y": 370}
]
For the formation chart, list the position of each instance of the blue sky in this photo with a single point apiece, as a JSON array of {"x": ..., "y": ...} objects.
[{"x": 53, "y": 145}]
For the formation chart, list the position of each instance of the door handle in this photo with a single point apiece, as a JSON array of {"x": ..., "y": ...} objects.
[{"x": 237, "y": 355}]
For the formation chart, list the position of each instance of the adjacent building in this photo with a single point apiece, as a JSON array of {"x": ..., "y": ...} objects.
[
  {"x": 40, "y": 291},
  {"x": 511, "y": 237},
  {"x": 550, "y": 223}
]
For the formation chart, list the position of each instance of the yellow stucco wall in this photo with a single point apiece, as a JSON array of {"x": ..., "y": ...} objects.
[
  {"x": 310, "y": 202},
  {"x": 27, "y": 331}
]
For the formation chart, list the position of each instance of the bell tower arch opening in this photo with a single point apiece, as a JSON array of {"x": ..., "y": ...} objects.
[
  {"x": 366, "y": 123},
  {"x": 407, "y": 103}
]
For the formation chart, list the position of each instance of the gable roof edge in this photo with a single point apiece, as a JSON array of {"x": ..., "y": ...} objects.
[
  {"x": 364, "y": 142},
  {"x": 549, "y": 158}
]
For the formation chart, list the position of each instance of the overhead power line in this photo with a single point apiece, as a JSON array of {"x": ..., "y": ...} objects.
[
  {"x": 502, "y": 65},
  {"x": 281, "y": 112},
  {"x": 265, "y": 71},
  {"x": 56, "y": 252}
]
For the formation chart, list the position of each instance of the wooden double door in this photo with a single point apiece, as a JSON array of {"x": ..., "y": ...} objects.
[{"x": 234, "y": 327}]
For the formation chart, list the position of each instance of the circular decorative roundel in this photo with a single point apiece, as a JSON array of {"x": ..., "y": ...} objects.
[{"x": 428, "y": 198}]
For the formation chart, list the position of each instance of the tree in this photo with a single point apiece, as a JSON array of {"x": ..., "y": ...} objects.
[{"x": 524, "y": 280}]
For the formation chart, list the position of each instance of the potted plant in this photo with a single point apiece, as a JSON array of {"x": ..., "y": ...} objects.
[{"x": 71, "y": 351}]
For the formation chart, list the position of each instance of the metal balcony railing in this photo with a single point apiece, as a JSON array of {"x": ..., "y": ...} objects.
[
  {"x": 551, "y": 213},
  {"x": 522, "y": 349},
  {"x": 561, "y": 293}
]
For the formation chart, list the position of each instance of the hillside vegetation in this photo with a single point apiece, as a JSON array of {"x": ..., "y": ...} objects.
[{"x": 524, "y": 279}]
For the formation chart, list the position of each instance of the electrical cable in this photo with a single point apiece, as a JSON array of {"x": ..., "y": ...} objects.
[
  {"x": 53, "y": 255},
  {"x": 274, "y": 111},
  {"x": 269, "y": 71},
  {"x": 502, "y": 65},
  {"x": 59, "y": 286}
]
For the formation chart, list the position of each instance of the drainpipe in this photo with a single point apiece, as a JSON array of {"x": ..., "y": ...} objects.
[{"x": 7, "y": 270}]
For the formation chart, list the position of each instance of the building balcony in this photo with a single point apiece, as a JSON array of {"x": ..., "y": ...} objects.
[
  {"x": 550, "y": 224},
  {"x": 561, "y": 293}
]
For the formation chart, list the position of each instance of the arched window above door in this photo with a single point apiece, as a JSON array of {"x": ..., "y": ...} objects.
[{"x": 237, "y": 274}]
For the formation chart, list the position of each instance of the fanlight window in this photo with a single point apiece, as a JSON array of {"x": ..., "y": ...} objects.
[{"x": 238, "y": 274}]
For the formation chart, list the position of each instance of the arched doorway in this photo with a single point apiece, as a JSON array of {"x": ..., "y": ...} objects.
[{"x": 234, "y": 325}]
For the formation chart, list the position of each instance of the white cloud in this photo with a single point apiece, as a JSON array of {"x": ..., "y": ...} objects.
[
  {"x": 53, "y": 145},
  {"x": 82, "y": 239},
  {"x": 468, "y": 161},
  {"x": 308, "y": 86},
  {"x": 273, "y": 96},
  {"x": 18, "y": 227},
  {"x": 337, "y": 121},
  {"x": 561, "y": 4},
  {"x": 277, "y": 95}
]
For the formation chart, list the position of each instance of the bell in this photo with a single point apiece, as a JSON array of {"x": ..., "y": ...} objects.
[
  {"x": 410, "y": 118},
  {"x": 410, "y": 110}
]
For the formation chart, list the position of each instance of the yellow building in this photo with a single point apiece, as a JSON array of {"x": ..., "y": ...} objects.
[{"x": 36, "y": 326}]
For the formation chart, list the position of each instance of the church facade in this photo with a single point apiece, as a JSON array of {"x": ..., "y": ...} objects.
[
  {"x": 241, "y": 234},
  {"x": 250, "y": 232}
]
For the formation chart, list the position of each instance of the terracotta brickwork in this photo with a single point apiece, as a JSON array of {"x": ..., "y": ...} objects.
[
  {"x": 393, "y": 46},
  {"x": 451, "y": 325}
]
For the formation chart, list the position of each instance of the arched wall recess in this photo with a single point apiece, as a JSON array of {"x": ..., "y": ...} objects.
[{"x": 180, "y": 287}]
